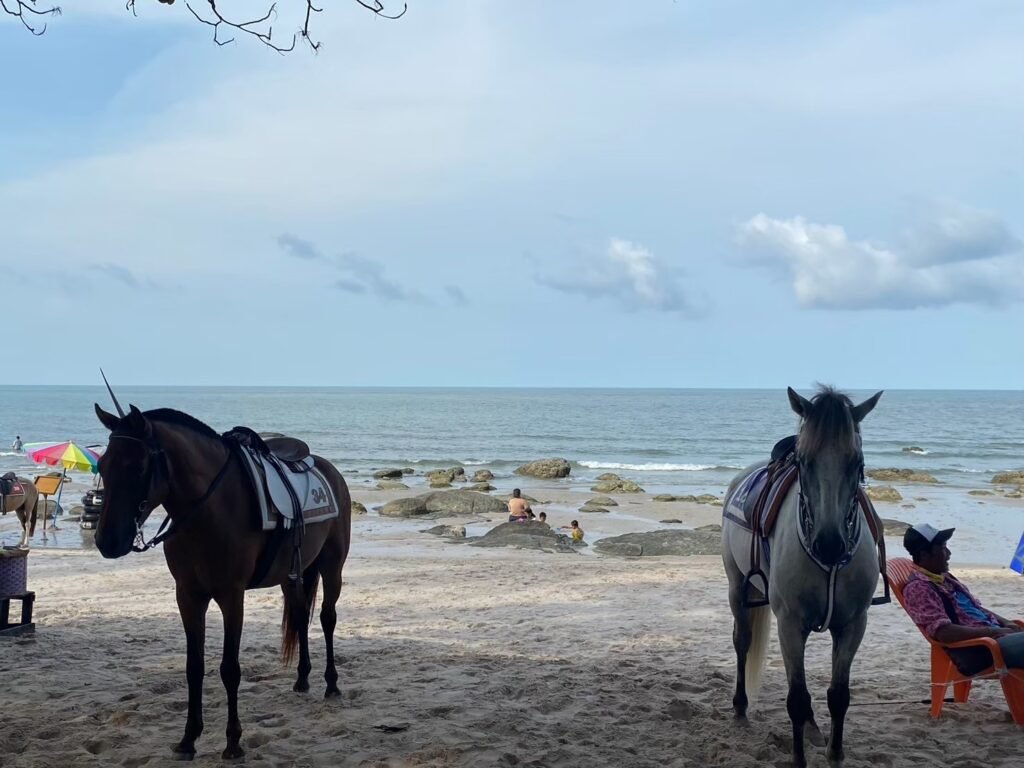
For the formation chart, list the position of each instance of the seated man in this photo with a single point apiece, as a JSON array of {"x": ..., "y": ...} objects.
[
  {"x": 518, "y": 510},
  {"x": 946, "y": 610}
]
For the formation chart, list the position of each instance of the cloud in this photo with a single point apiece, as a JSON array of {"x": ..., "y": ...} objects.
[
  {"x": 123, "y": 275},
  {"x": 457, "y": 295},
  {"x": 960, "y": 256},
  {"x": 360, "y": 275},
  {"x": 629, "y": 274}
]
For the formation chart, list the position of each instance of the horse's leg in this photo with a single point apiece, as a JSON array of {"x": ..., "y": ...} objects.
[
  {"x": 742, "y": 634},
  {"x": 845, "y": 642},
  {"x": 793, "y": 639},
  {"x": 232, "y": 606},
  {"x": 192, "y": 608},
  {"x": 330, "y": 569}
]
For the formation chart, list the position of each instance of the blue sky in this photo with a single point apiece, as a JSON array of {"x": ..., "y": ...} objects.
[{"x": 663, "y": 194}]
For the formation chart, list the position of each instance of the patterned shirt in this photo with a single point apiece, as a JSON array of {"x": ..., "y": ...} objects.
[{"x": 925, "y": 606}]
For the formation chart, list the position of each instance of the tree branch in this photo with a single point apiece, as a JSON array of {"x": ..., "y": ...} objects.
[{"x": 20, "y": 7}]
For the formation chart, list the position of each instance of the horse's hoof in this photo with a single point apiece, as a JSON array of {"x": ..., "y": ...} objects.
[
  {"x": 836, "y": 758},
  {"x": 181, "y": 752},
  {"x": 813, "y": 734},
  {"x": 301, "y": 686},
  {"x": 332, "y": 693},
  {"x": 233, "y": 754}
]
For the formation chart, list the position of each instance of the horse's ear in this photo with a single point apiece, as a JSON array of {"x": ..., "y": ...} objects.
[
  {"x": 800, "y": 405},
  {"x": 862, "y": 410},
  {"x": 138, "y": 422},
  {"x": 109, "y": 420}
]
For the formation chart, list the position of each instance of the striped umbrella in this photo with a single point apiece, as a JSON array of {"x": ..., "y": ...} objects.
[{"x": 68, "y": 455}]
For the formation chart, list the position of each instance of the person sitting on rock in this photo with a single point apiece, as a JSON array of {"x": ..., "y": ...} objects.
[
  {"x": 574, "y": 530},
  {"x": 518, "y": 510}
]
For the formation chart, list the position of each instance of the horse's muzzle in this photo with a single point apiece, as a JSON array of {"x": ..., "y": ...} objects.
[{"x": 829, "y": 548}]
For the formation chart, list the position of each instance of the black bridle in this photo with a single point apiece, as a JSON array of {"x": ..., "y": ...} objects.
[{"x": 155, "y": 467}]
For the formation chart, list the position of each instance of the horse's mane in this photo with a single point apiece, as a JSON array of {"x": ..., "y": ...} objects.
[
  {"x": 829, "y": 421},
  {"x": 178, "y": 418}
]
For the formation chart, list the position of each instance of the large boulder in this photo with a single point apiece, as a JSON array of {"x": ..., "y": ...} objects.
[
  {"x": 706, "y": 541},
  {"x": 883, "y": 493},
  {"x": 482, "y": 476},
  {"x": 602, "y": 501},
  {"x": 527, "y": 536},
  {"x": 893, "y": 475},
  {"x": 358, "y": 508},
  {"x": 482, "y": 487},
  {"x": 444, "y": 504},
  {"x": 392, "y": 485},
  {"x": 388, "y": 474},
  {"x": 548, "y": 469},
  {"x": 1008, "y": 478}
]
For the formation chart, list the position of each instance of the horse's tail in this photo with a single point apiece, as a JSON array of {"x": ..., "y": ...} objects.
[
  {"x": 299, "y": 599},
  {"x": 760, "y": 628}
]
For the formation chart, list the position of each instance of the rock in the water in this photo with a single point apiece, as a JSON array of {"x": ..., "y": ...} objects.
[
  {"x": 408, "y": 471},
  {"x": 593, "y": 509},
  {"x": 883, "y": 493},
  {"x": 663, "y": 497},
  {"x": 440, "y": 482},
  {"x": 547, "y": 469},
  {"x": 387, "y": 474},
  {"x": 981, "y": 493},
  {"x": 708, "y": 498},
  {"x": 450, "y": 531},
  {"x": 913, "y": 449},
  {"x": 527, "y": 536},
  {"x": 894, "y": 528},
  {"x": 658, "y": 543},
  {"x": 608, "y": 476},
  {"x": 616, "y": 485},
  {"x": 893, "y": 475},
  {"x": 482, "y": 487},
  {"x": 358, "y": 508},
  {"x": 1008, "y": 478},
  {"x": 670, "y": 520},
  {"x": 392, "y": 485},
  {"x": 482, "y": 476},
  {"x": 602, "y": 501},
  {"x": 444, "y": 504}
]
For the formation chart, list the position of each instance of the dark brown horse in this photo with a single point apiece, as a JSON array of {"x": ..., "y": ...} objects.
[
  {"x": 25, "y": 504},
  {"x": 213, "y": 546}
]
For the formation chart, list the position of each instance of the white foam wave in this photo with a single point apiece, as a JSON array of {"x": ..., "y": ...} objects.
[{"x": 646, "y": 467}]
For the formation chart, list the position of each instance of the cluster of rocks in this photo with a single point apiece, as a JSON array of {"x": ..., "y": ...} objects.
[
  {"x": 894, "y": 475},
  {"x": 598, "y": 504},
  {"x": 530, "y": 535},
  {"x": 612, "y": 483},
  {"x": 704, "y": 498},
  {"x": 444, "y": 504},
  {"x": 706, "y": 540}
]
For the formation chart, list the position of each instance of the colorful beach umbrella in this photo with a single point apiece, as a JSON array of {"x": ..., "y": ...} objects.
[{"x": 68, "y": 455}]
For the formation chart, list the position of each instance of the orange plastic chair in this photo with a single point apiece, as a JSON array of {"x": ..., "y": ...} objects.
[{"x": 944, "y": 671}]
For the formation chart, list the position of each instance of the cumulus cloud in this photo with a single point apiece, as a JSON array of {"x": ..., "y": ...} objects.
[
  {"x": 629, "y": 274},
  {"x": 959, "y": 255},
  {"x": 359, "y": 274},
  {"x": 457, "y": 295}
]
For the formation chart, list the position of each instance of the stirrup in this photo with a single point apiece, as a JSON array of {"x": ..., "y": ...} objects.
[{"x": 748, "y": 583}]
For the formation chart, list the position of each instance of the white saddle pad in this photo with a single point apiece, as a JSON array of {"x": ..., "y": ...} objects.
[{"x": 314, "y": 493}]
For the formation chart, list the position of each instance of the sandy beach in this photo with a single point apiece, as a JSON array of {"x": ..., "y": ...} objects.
[{"x": 460, "y": 656}]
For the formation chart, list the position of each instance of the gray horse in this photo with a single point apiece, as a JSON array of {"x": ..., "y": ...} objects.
[
  {"x": 25, "y": 505},
  {"x": 820, "y": 572}
]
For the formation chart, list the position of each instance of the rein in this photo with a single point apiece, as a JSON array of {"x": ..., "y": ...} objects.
[{"x": 158, "y": 464}]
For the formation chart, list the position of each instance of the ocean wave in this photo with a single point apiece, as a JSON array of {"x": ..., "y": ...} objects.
[{"x": 649, "y": 467}]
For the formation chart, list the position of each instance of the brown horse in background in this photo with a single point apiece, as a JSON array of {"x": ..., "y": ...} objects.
[
  {"x": 26, "y": 506},
  {"x": 213, "y": 546}
]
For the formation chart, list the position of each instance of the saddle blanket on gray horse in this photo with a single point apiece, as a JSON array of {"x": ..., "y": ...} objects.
[{"x": 279, "y": 487}]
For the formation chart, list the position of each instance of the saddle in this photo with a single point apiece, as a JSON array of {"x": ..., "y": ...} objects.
[
  {"x": 10, "y": 485},
  {"x": 287, "y": 449},
  {"x": 755, "y": 505}
]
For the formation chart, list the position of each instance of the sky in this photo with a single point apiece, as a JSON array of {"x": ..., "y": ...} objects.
[{"x": 592, "y": 194}]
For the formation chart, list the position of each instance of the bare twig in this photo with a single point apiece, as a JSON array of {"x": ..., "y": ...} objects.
[
  {"x": 261, "y": 28},
  {"x": 18, "y": 8}
]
